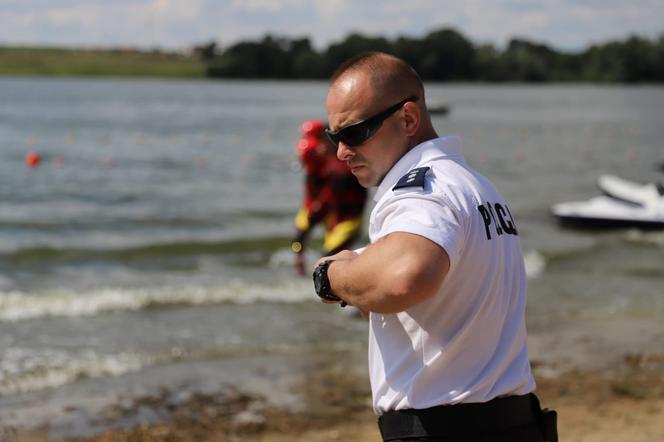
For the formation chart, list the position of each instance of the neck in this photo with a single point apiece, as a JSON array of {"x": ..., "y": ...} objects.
[{"x": 428, "y": 133}]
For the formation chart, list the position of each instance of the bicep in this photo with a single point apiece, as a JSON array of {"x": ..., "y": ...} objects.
[{"x": 413, "y": 267}]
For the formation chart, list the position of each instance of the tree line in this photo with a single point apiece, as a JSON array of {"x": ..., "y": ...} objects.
[{"x": 442, "y": 55}]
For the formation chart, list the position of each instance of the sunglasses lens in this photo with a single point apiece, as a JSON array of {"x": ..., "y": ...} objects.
[
  {"x": 353, "y": 136},
  {"x": 358, "y": 134}
]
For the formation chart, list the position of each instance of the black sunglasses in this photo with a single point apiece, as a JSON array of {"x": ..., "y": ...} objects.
[{"x": 357, "y": 133}]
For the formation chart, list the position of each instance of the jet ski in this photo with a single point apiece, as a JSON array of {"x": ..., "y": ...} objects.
[
  {"x": 625, "y": 204},
  {"x": 616, "y": 187}
]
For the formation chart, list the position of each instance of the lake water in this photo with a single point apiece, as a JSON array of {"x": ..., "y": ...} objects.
[{"x": 155, "y": 232}]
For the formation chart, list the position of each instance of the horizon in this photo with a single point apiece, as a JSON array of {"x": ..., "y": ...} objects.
[
  {"x": 168, "y": 25},
  {"x": 183, "y": 49}
]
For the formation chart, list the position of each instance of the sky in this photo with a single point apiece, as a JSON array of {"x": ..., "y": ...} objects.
[{"x": 174, "y": 24}]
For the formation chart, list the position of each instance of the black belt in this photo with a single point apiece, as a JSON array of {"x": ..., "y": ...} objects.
[{"x": 461, "y": 419}]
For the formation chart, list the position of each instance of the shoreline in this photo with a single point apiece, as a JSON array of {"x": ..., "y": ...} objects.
[
  {"x": 623, "y": 403},
  {"x": 584, "y": 369}
]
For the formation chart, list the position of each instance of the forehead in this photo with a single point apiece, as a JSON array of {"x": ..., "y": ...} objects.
[{"x": 350, "y": 99}]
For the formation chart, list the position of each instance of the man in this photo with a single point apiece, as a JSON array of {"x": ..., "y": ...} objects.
[
  {"x": 332, "y": 195},
  {"x": 443, "y": 280}
]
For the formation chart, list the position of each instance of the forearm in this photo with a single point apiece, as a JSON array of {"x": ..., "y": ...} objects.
[
  {"x": 371, "y": 288},
  {"x": 348, "y": 283},
  {"x": 390, "y": 276}
]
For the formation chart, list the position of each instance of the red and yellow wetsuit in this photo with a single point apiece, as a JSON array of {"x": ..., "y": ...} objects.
[{"x": 331, "y": 195}]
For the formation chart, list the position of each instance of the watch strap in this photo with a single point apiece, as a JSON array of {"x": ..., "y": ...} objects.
[{"x": 325, "y": 291}]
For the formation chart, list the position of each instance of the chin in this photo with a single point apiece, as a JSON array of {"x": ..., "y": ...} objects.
[
  {"x": 365, "y": 181},
  {"x": 364, "y": 177}
]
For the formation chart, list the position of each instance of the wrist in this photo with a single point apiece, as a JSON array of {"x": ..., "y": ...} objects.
[
  {"x": 330, "y": 277},
  {"x": 322, "y": 283}
]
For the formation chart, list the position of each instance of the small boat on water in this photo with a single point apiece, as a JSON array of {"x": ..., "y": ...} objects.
[
  {"x": 625, "y": 204},
  {"x": 438, "y": 109}
]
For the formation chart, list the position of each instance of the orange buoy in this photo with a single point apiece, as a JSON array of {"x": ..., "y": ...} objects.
[{"x": 32, "y": 159}]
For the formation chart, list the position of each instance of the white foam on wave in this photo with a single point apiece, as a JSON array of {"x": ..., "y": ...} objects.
[
  {"x": 16, "y": 306},
  {"x": 22, "y": 370},
  {"x": 535, "y": 264}
]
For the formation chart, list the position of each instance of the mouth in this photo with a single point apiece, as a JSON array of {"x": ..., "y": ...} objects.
[{"x": 355, "y": 167}]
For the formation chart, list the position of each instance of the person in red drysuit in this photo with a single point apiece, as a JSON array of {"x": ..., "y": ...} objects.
[{"x": 332, "y": 195}]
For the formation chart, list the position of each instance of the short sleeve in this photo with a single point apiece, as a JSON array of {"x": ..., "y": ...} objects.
[{"x": 424, "y": 215}]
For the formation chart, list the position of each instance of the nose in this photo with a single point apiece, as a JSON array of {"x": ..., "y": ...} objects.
[{"x": 344, "y": 153}]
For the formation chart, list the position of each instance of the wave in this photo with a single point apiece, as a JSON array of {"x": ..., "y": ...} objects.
[
  {"x": 22, "y": 371},
  {"x": 56, "y": 255},
  {"x": 97, "y": 220},
  {"x": 102, "y": 223},
  {"x": 604, "y": 243},
  {"x": 18, "y": 306},
  {"x": 535, "y": 264},
  {"x": 553, "y": 257}
]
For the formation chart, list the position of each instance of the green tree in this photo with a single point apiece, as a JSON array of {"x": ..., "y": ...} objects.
[
  {"x": 306, "y": 62},
  {"x": 529, "y": 62},
  {"x": 603, "y": 63},
  {"x": 639, "y": 60},
  {"x": 410, "y": 50},
  {"x": 353, "y": 44},
  {"x": 658, "y": 58},
  {"x": 206, "y": 52},
  {"x": 488, "y": 64},
  {"x": 446, "y": 55},
  {"x": 268, "y": 58}
]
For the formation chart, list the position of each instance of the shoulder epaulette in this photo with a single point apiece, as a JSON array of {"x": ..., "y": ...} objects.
[{"x": 414, "y": 178}]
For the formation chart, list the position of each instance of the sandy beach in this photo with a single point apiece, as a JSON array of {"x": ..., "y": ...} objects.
[{"x": 623, "y": 403}]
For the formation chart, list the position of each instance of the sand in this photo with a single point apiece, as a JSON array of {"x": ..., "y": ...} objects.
[{"x": 623, "y": 403}]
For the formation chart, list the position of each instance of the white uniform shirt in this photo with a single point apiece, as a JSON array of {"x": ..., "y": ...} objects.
[{"x": 467, "y": 343}]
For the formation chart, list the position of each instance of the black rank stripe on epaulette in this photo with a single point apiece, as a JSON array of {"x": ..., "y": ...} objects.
[{"x": 414, "y": 178}]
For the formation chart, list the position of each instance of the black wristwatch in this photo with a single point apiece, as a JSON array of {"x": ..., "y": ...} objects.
[{"x": 322, "y": 283}]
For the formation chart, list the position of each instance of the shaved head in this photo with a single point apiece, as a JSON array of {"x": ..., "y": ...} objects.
[
  {"x": 364, "y": 87},
  {"x": 390, "y": 77}
]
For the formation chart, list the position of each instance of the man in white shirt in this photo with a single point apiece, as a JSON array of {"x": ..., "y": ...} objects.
[{"x": 443, "y": 280}]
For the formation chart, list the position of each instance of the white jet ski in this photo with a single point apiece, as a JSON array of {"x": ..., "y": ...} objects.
[
  {"x": 627, "y": 204},
  {"x": 619, "y": 188}
]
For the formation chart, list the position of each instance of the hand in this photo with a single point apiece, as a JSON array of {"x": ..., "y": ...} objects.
[{"x": 344, "y": 255}]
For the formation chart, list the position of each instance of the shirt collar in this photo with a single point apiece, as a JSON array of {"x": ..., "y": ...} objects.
[{"x": 429, "y": 150}]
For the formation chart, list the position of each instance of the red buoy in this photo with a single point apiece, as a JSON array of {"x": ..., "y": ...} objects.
[{"x": 32, "y": 159}]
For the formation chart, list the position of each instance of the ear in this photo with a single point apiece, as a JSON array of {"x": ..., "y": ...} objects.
[{"x": 411, "y": 118}]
